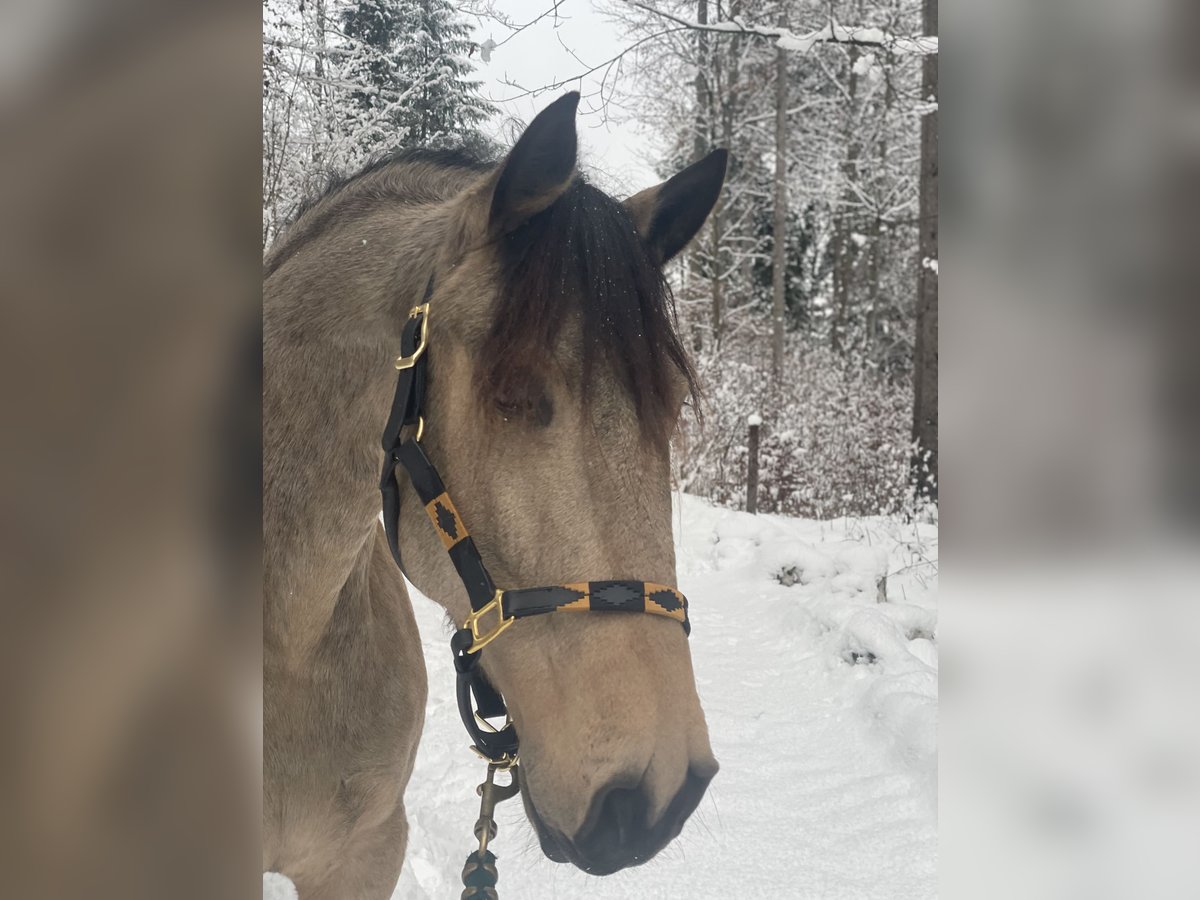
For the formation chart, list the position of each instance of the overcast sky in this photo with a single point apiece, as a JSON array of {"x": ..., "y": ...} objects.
[{"x": 612, "y": 152}]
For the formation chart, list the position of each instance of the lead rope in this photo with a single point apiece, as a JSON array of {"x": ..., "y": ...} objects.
[{"x": 479, "y": 874}]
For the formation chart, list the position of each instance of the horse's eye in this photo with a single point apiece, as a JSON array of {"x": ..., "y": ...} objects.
[
  {"x": 530, "y": 404},
  {"x": 509, "y": 406}
]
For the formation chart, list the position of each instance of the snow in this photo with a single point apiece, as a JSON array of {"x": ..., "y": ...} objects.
[
  {"x": 866, "y": 35},
  {"x": 736, "y": 25},
  {"x": 931, "y": 264},
  {"x": 754, "y": 420},
  {"x": 802, "y": 43},
  {"x": 278, "y": 887},
  {"x": 821, "y": 700},
  {"x": 868, "y": 68}
]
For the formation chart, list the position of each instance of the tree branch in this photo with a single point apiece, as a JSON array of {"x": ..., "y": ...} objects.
[
  {"x": 786, "y": 39},
  {"x": 533, "y": 92}
]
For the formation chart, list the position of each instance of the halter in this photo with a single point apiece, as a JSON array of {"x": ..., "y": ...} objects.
[{"x": 493, "y": 610}]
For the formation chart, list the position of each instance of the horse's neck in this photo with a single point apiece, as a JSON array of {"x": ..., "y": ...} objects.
[
  {"x": 324, "y": 404},
  {"x": 333, "y": 311}
]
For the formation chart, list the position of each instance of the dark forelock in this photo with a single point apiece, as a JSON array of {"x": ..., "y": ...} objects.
[{"x": 583, "y": 256}]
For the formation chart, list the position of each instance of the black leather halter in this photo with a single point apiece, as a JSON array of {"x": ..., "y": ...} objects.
[{"x": 492, "y": 610}]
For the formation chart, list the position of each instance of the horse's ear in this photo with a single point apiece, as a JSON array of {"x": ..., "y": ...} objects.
[
  {"x": 539, "y": 168},
  {"x": 668, "y": 215}
]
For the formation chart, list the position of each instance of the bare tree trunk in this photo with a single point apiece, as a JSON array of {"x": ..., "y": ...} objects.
[
  {"x": 727, "y": 85},
  {"x": 717, "y": 309},
  {"x": 874, "y": 269},
  {"x": 844, "y": 247},
  {"x": 779, "y": 248},
  {"x": 877, "y": 230},
  {"x": 319, "y": 34},
  {"x": 838, "y": 245},
  {"x": 700, "y": 137},
  {"x": 318, "y": 84},
  {"x": 700, "y": 145},
  {"x": 925, "y": 351},
  {"x": 722, "y": 98}
]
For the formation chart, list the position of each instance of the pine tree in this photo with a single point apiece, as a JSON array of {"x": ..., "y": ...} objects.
[
  {"x": 412, "y": 58},
  {"x": 345, "y": 81}
]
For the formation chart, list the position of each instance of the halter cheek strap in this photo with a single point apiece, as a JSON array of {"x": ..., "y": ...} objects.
[{"x": 492, "y": 610}]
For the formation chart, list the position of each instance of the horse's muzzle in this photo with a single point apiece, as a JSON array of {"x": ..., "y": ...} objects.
[{"x": 616, "y": 835}]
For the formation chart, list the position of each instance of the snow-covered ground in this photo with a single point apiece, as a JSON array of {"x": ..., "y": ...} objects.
[{"x": 821, "y": 700}]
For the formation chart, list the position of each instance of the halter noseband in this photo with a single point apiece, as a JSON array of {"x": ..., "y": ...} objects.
[{"x": 493, "y": 609}]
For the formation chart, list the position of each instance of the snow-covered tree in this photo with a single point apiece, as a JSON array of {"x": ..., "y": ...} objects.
[
  {"x": 825, "y": 148},
  {"x": 412, "y": 60},
  {"x": 348, "y": 80}
]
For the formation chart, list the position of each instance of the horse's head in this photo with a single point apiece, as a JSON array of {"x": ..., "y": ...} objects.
[{"x": 556, "y": 379}]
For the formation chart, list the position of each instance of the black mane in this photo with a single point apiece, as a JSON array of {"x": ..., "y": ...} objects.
[{"x": 585, "y": 248}]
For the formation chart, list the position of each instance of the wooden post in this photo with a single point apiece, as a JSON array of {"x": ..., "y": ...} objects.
[{"x": 755, "y": 422}]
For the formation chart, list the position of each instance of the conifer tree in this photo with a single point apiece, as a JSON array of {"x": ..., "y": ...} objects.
[{"x": 412, "y": 60}]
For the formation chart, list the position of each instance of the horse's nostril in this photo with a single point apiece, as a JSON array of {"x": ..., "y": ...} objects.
[
  {"x": 623, "y": 809},
  {"x": 617, "y": 830},
  {"x": 618, "y": 834}
]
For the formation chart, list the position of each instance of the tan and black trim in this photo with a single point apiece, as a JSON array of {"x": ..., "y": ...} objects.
[
  {"x": 598, "y": 596},
  {"x": 446, "y": 521}
]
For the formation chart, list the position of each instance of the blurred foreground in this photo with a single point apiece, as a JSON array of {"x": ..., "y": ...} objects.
[
  {"x": 129, "y": 643},
  {"x": 1070, "y": 618}
]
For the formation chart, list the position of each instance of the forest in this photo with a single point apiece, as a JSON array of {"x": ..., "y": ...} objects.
[{"x": 809, "y": 300}]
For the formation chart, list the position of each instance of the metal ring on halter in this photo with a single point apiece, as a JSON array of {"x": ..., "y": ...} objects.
[{"x": 479, "y": 639}]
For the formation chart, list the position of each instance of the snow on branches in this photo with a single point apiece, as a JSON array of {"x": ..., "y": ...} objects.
[
  {"x": 347, "y": 80},
  {"x": 831, "y": 33}
]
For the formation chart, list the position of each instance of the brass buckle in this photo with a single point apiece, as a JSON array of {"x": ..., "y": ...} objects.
[
  {"x": 480, "y": 639},
  {"x": 407, "y": 362}
]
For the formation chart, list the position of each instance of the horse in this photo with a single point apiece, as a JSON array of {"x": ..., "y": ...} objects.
[{"x": 555, "y": 384}]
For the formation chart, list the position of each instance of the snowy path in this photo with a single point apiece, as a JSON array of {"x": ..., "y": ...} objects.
[{"x": 821, "y": 703}]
